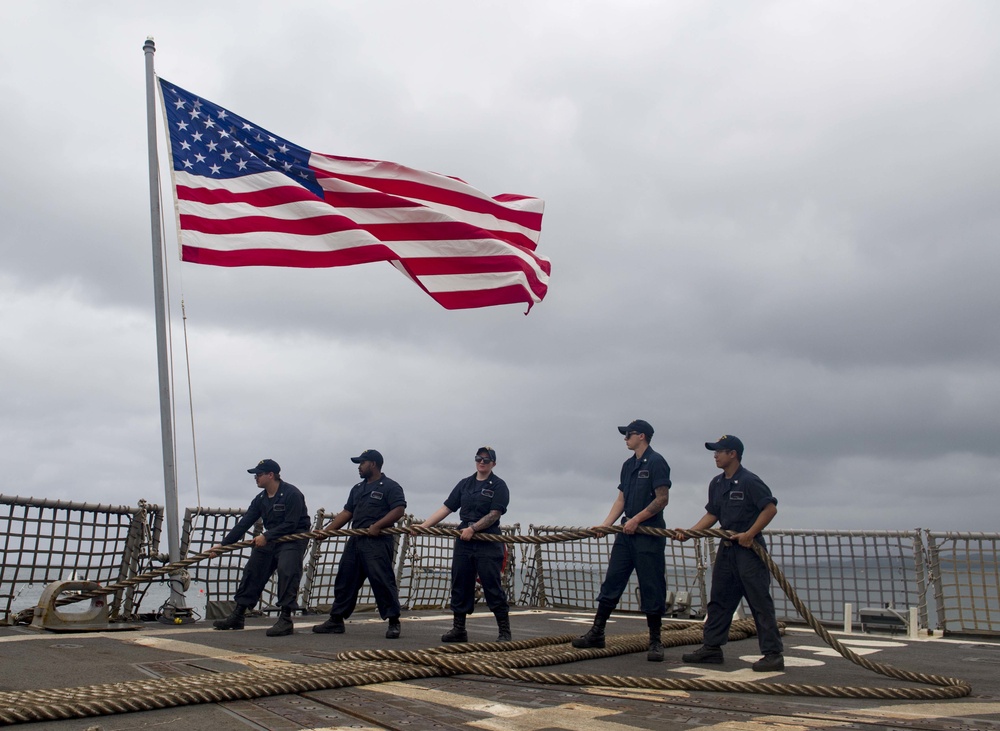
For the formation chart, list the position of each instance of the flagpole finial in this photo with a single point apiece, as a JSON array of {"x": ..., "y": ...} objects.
[{"x": 149, "y": 45}]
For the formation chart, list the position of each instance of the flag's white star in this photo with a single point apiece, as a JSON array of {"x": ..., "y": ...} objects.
[
  {"x": 226, "y": 155},
  {"x": 188, "y": 164},
  {"x": 242, "y": 165},
  {"x": 199, "y": 157},
  {"x": 215, "y": 169}
]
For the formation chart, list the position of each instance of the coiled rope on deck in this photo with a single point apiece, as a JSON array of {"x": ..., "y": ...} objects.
[
  {"x": 513, "y": 665},
  {"x": 510, "y": 660}
]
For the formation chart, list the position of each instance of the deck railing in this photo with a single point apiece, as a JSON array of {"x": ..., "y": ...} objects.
[
  {"x": 951, "y": 579},
  {"x": 42, "y": 541}
]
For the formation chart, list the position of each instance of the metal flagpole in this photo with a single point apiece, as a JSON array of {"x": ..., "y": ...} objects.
[{"x": 166, "y": 418}]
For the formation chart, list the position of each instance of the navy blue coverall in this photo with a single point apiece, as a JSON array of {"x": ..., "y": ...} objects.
[
  {"x": 368, "y": 557},
  {"x": 474, "y": 499},
  {"x": 643, "y": 554},
  {"x": 282, "y": 515},
  {"x": 738, "y": 572}
]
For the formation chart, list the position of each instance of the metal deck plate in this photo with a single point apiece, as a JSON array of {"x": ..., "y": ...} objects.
[{"x": 28, "y": 660}]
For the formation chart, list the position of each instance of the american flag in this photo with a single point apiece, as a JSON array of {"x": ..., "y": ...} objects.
[{"x": 246, "y": 197}]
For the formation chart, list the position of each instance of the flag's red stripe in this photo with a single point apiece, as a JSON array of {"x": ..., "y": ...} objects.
[
  {"x": 359, "y": 255},
  {"x": 454, "y": 198},
  {"x": 425, "y": 265},
  {"x": 315, "y": 226},
  {"x": 296, "y": 194},
  {"x": 261, "y": 198},
  {"x": 288, "y": 257},
  {"x": 505, "y": 197},
  {"x": 422, "y": 266},
  {"x": 281, "y": 195},
  {"x": 323, "y": 225},
  {"x": 465, "y": 300},
  {"x": 371, "y": 199}
]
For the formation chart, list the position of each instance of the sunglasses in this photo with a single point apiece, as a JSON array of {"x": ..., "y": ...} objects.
[{"x": 483, "y": 460}]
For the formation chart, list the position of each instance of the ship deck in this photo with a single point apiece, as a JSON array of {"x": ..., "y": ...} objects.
[{"x": 30, "y": 660}]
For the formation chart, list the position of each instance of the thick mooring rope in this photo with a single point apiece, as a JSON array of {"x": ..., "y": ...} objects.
[
  {"x": 510, "y": 660},
  {"x": 182, "y": 564},
  {"x": 511, "y": 665}
]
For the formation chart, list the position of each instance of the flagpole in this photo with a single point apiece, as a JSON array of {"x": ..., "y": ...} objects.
[{"x": 166, "y": 418}]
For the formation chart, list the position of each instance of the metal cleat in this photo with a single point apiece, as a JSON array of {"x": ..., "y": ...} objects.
[{"x": 94, "y": 619}]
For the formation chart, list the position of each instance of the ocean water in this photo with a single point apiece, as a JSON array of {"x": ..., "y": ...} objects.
[{"x": 27, "y": 596}]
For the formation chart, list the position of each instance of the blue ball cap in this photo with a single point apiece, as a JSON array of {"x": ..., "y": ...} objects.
[
  {"x": 369, "y": 455},
  {"x": 727, "y": 441},
  {"x": 638, "y": 425},
  {"x": 265, "y": 465}
]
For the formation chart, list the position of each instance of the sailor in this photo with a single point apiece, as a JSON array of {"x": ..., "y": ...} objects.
[
  {"x": 375, "y": 503},
  {"x": 282, "y": 508},
  {"x": 643, "y": 492},
  {"x": 740, "y": 502},
  {"x": 480, "y": 499}
]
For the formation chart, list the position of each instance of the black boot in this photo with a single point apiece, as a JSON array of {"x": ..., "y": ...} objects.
[
  {"x": 503, "y": 624},
  {"x": 655, "y": 652},
  {"x": 770, "y": 663},
  {"x": 392, "y": 633},
  {"x": 236, "y": 620},
  {"x": 457, "y": 632},
  {"x": 283, "y": 626},
  {"x": 595, "y": 637},
  {"x": 334, "y": 625},
  {"x": 705, "y": 654}
]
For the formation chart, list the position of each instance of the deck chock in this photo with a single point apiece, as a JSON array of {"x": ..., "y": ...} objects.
[{"x": 94, "y": 618}]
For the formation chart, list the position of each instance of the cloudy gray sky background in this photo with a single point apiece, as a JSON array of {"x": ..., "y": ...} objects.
[{"x": 773, "y": 219}]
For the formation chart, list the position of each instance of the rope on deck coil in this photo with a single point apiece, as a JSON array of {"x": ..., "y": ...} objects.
[
  {"x": 511, "y": 666},
  {"x": 506, "y": 660},
  {"x": 491, "y": 659}
]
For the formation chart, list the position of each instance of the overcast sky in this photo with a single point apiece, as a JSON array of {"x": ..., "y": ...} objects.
[{"x": 772, "y": 219}]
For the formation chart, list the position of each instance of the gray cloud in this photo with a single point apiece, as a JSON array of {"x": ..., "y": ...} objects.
[{"x": 775, "y": 219}]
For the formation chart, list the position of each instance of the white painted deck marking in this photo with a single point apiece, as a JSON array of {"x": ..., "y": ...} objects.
[
  {"x": 507, "y": 717},
  {"x": 193, "y": 648}
]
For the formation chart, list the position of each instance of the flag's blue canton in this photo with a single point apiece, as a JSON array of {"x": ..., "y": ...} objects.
[{"x": 213, "y": 142}]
